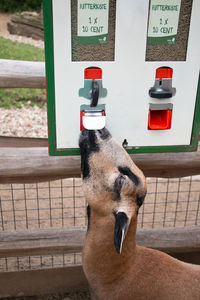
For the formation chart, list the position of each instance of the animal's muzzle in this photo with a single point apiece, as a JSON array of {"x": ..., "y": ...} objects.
[
  {"x": 89, "y": 138},
  {"x": 89, "y": 142}
]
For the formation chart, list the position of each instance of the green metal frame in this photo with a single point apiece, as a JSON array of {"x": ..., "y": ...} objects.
[{"x": 49, "y": 54}]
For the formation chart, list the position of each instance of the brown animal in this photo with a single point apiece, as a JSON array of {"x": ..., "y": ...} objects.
[{"x": 115, "y": 267}]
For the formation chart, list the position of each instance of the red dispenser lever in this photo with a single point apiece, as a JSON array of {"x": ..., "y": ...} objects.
[{"x": 162, "y": 88}]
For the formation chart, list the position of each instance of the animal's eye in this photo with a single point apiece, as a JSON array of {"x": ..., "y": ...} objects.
[{"x": 120, "y": 181}]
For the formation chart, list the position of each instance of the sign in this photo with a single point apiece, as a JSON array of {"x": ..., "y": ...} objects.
[
  {"x": 133, "y": 120},
  {"x": 163, "y": 21},
  {"x": 93, "y": 21}
]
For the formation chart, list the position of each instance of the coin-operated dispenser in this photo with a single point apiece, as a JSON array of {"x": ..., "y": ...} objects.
[
  {"x": 132, "y": 66},
  {"x": 92, "y": 116}
]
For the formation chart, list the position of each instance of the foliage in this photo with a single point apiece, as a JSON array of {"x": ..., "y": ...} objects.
[{"x": 19, "y": 5}]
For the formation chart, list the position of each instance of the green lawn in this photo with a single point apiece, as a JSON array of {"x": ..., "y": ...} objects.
[{"x": 20, "y": 51}]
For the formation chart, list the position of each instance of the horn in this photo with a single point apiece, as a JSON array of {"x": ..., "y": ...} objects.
[{"x": 121, "y": 224}]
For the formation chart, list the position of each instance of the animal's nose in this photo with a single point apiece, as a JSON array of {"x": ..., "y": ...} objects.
[
  {"x": 90, "y": 137},
  {"x": 88, "y": 140}
]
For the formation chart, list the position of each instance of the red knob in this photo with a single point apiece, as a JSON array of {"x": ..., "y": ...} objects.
[
  {"x": 164, "y": 72},
  {"x": 93, "y": 73}
]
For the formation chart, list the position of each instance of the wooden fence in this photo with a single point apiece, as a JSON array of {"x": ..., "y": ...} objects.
[
  {"x": 182, "y": 243},
  {"x": 25, "y": 160}
]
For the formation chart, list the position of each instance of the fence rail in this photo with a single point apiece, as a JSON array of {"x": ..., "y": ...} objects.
[
  {"x": 59, "y": 241},
  {"x": 38, "y": 282},
  {"x": 22, "y": 74},
  {"x": 33, "y": 164}
]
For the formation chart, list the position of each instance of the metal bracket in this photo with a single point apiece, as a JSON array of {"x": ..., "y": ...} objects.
[{"x": 87, "y": 90}]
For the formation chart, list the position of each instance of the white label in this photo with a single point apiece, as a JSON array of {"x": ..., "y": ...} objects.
[
  {"x": 93, "y": 21},
  {"x": 163, "y": 21}
]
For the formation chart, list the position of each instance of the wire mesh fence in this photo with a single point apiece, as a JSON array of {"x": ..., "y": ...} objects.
[
  {"x": 42, "y": 205},
  {"x": 61, "y": 203},
  {"x": 39, "y": 262},
  {"x": 171, "y": 203}
]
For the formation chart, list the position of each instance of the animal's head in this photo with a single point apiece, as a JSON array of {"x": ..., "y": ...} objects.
[{"x": 113, "y": 185}]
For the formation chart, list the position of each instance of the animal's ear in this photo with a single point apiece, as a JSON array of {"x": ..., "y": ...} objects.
[
  {"x": 121, "y": 226},
  {"x": 140, "y": 200}
]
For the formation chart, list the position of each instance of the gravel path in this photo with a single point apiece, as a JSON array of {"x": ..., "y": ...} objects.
[{"x": 27, "y": 121}]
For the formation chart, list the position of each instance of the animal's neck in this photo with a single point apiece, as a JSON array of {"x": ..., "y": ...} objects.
[{"x": 99, "y": 253}]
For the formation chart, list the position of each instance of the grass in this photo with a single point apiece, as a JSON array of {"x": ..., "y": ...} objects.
[
  {"x": 19, "y": 51},
  {"x": 19, "y": 97}
]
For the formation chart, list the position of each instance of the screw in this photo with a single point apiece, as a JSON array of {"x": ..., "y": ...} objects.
[{"x": 125, "y": 143}]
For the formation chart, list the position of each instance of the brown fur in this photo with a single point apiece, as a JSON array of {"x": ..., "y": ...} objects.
[{"x": 138, "y": 272}]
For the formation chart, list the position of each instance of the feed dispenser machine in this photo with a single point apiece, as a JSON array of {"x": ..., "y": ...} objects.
[{"x": 132, "y": 66}]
